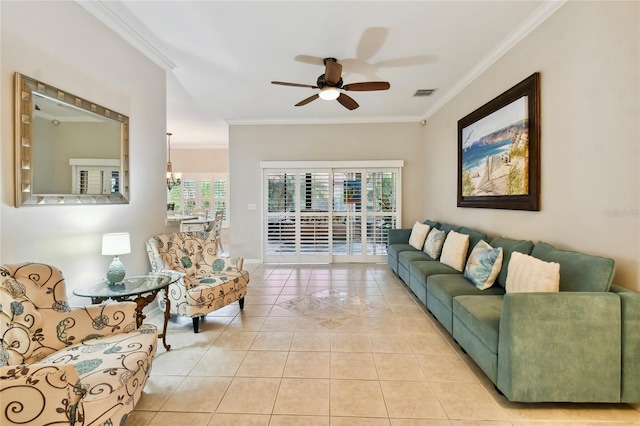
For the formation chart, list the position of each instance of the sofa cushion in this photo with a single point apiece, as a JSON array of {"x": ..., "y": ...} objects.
[
  {"x": 481, "y": 316},
  {"x": 447, "y": 227},
  {"x": 418, "y": 234},
  {"x": 215, "y": 290},
  {"x": 508, "y": 247},
  {"x": 433, "y": 243},
  {"x": 421, "y": 270},
  {"x": 454, "y": 250},
  {"x": 483, "y": 265},
  {"x": 447, "y": 286},
  {"x": 431, "y": 223},
  {"x": 394, "y": 250},
  {"x": 476, "y": 323},
  {"x": 530, "y": 275},
  {"x": 398, "y": 236},
  {"x": 406, "y": 257},
  {"x": 474, "y": 237},
  {"x": 578, "y": 271},
  {"x": 113, "y": 370},
  {"x": 441, "y": 289}
]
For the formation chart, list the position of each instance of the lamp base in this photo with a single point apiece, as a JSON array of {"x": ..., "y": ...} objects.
[{"x": 116, "y": 271}]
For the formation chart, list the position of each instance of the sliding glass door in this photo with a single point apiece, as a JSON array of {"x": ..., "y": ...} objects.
[{"x": 329, "y": 215}]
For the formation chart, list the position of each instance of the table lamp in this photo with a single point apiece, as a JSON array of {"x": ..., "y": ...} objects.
[{"x": 116, "y": 244}]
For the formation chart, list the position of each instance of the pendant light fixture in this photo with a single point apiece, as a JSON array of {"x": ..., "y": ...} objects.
[{"x": 173, "y": 179}]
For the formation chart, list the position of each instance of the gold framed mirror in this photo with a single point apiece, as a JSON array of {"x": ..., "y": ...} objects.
[{"x": 68, "y": 150}]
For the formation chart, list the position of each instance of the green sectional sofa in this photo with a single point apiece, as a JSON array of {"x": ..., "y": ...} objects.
[{"x": 580, "y": 344}]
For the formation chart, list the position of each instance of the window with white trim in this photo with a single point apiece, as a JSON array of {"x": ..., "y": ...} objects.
[
  {"x": 95, "y": 176},
  {"x": 202, "y": 190}
]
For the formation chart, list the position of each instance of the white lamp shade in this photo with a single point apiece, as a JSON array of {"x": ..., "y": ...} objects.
[
  {"x": 329, "y": 93},
  {"x": 116, "y": 243}
]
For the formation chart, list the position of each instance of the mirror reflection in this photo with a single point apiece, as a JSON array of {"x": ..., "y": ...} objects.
[{"x": 70, "y": 150}]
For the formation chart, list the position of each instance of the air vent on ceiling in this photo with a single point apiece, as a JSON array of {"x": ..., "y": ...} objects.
[{"x": 424, "y": 92}]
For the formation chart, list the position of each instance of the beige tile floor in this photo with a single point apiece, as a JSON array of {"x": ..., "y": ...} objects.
[{"x": 332, "y": 345}]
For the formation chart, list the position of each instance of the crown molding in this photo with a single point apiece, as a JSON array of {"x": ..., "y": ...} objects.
[
  {"x": 101, "y": 11},
  {"x": 540, "y": 15},
  {"x": 354, "y": 120}
]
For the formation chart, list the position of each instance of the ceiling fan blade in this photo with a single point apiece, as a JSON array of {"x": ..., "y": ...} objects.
[
  {"x": 370, "y": 43},
  {"x": 282, "y": 83},
  {"x": 308, "y": 59},
  {"x": 332, "y": 72},
  {"x": 347, "y": 102},
  {"x": 309, "y": 99},
  {"x": 367, "y": 86}
]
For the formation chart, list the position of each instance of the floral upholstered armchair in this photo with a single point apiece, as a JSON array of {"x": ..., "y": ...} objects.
[
  {"x": 62, "y": 365},
  {"x": 209, "y": 282}
]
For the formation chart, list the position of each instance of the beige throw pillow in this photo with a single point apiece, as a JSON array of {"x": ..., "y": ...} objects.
[
  {"x": 454, "y": 251},
  {"x": 527, "y": 274},
  {"x": 418, "y": 235}
]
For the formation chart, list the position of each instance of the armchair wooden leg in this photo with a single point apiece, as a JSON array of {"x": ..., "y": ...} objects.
[
  {"x": 241, "y": 303},
  {"x": 196, "y": 322}
]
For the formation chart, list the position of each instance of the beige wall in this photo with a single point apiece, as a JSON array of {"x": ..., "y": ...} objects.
[
  {"x": 587, "y": 56},
  {"x": 249, "y": 145},
  {"x": 200, "y": 160},
  {"x": 62, "y": 44}
]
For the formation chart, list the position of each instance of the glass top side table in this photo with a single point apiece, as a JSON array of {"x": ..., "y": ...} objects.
[{"x": 141, "y": 289}]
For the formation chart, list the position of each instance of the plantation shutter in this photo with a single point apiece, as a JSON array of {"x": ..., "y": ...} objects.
[
  {"x": 314, "y": 212},
  {"x": 319, "y": 215},
  {"x": 281, "y": 213}
]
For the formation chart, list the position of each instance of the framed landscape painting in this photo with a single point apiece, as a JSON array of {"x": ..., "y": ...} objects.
[{"x": 499, "y": 151}]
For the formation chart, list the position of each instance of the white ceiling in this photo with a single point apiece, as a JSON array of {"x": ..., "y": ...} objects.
[{"x": 221, "y": 56}]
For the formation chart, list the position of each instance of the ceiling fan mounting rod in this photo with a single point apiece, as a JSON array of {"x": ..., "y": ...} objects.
[
  {"x": 325, "y": 60},
  {"x": 322, "y": 82}
]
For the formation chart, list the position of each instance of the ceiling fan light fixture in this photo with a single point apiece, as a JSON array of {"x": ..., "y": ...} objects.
[
  {"x": 331, "y": 86},
  {"x": 329, "y": 93}
]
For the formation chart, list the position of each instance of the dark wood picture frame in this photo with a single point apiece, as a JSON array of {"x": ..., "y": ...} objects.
[{"x": 499, "y": 166}]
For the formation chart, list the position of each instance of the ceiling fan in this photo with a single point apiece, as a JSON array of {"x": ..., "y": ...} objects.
[{"x": 330, "y": 85}]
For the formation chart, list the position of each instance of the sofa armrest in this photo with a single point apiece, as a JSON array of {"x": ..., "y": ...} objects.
[
  {"x": 560, "y": 347},
  {"x": 40, "y": 394},
  {"x": 630, "y": 303},
  {"x": 155, "y": 258},
  {"x": 399, "y": 236},
  {"x": 90, "y": 321}
]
